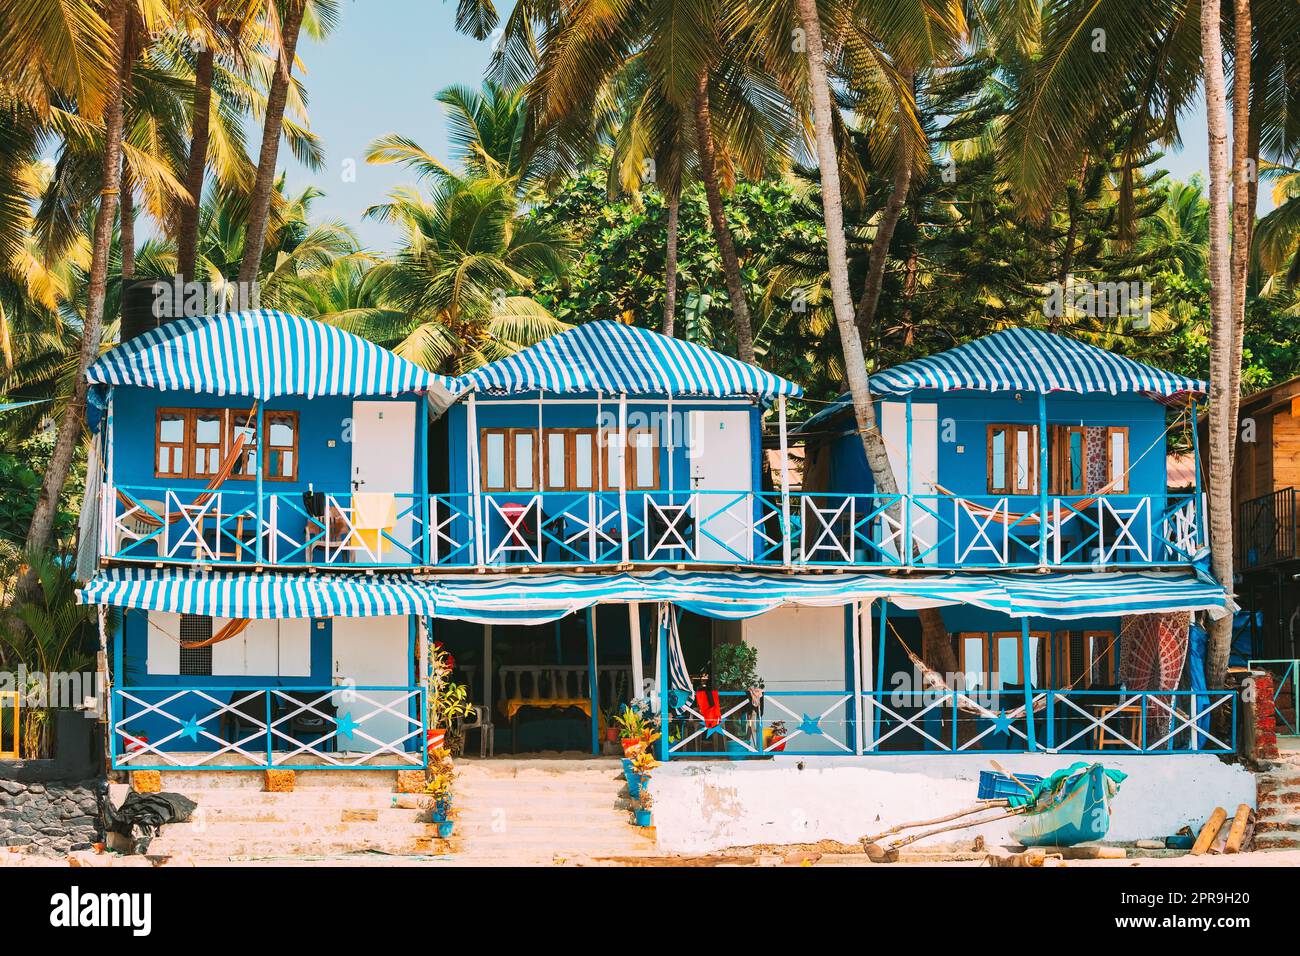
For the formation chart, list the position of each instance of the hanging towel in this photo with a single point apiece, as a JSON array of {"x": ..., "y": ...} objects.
[
  {"x": 706, "y": 702},
  {"x": 373, "y": 513}
]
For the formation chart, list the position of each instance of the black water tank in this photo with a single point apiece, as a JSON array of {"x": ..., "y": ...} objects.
[{"x": 138, "y": 307}]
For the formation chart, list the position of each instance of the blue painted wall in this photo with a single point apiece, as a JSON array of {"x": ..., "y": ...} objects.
[
  {"x": 320, "y": 421},
  {"x": 969, "y": 415},
  {"x": 583, "y": 412}
]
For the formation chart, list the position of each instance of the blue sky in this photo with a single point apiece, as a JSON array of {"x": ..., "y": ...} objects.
[{"x": 379, "y": 71}]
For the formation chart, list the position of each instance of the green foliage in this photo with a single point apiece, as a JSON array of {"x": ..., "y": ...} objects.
[{"x": 735, "y": 667}]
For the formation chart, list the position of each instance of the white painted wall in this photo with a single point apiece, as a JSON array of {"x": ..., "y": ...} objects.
[
  {"x": 802, "y": 649},
  {"x": 799, "y": 648},
  {"x": 711, "y": 805}
]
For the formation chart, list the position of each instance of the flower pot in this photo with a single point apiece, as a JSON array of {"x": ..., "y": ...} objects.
[
  {"x": 633, "y": 785},
  {"x": 611, "y": 734},
  {"x": 631, "y": 743},
  {"x": 444, "y": 828},
  {"x": 642, "y": 817},
  {"x": 434, "y": 738}
]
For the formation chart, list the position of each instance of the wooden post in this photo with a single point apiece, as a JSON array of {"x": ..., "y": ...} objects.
[
  {"x": 1196, "y": 477},
  {"x": 664, "y": 611},
  {"x": 634, "y": 633},
  {"x": 1026, "y": 668},
  {"x": 907, "y": 485},
  {"x": 866, "y": 729},
  {"x": 1209, "y": 831},
  {"x": 259, "y": 461},
  {"x": 855, "y": 673},
  {"x": 1238, "y": 830},
  {"x": 487, "y": 669},
  {"x": 593, "y": 685},
  {"x": 622, "y": 473},
  {"x": 785, "y": 483},
  {"x": 475, "y": 500},
  {"x": 1042, "y": 482},
  {"x": 422, "y": 490}
]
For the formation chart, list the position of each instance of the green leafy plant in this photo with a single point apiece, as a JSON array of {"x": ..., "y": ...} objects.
[
  {"x": 735, "y": 667},
  {"x": 448, "y": 701}
]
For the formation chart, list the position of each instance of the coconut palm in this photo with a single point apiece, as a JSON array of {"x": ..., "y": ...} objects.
[
  {"x": 455, "y": 296},
  {"x": 37, "y": 36},
  {"x": 285, "y": 20}
]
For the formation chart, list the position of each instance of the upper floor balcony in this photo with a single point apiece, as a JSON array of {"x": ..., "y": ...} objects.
[
  {"x": 611, "y": 529},
  {"x": 1267, "y": 529}
]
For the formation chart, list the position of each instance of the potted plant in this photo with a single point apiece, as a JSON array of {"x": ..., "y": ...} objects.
[
  {"x": 735, "y": 669},
  {"x": 439, "y": 789},
  {"x": 448, "y": 701},
  {"x": 774, "y": 737},
  {"x": 641, "y": 812},
  {"x": 632, "y": 728}
]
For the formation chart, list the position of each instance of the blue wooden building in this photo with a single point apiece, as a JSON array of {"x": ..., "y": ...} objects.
[{"x": 280, "y": 518}]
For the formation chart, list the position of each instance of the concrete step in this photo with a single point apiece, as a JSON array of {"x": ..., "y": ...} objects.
[
  {"x": 299, "y": 799},
  {"x": 220, "y": 831},
  {"x": 310, "y": 816},
  {"x": 183, "y": 780},
  {"x": 299, "y": 848},
  {"x": 1275, "y": 840}
]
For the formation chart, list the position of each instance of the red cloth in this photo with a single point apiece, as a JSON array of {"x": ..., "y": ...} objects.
[{"x": 706, "y": 702}]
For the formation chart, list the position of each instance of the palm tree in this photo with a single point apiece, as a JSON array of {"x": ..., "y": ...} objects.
[
  {"x": 454, "y": 297},
  {"x": 40, "y": 55},
  {"x": 286, "y": 21}
]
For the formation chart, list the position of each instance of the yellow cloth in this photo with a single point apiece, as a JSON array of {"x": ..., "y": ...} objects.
[
  {"x": 516, "y": 704},
  {"x": 373, "y": 513}
]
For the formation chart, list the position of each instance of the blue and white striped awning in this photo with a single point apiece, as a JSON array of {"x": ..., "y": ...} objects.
[
  {"x": 258, "y": 596},
  {"x": 618, "y": 359},
  {"x": 263, "y": 354},
  {"x": 541, "y": 598},
  {"x": 1031, "y": 360},
  {"x": 538, "y": 599}
]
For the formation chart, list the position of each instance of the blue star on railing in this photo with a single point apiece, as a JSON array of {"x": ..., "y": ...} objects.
[
  {"x": 1002, "y": 723},
  {"x": 347, "y": 727},
  {"x": 191, "y": 727},
  {"x": 810, "y": 725}
]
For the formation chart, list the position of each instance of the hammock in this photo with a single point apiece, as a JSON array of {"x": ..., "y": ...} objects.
[
  {"x": 233, "y": 628},
  {"x": 1011, "y": 518},
  {"x": 224, "y": 472}
]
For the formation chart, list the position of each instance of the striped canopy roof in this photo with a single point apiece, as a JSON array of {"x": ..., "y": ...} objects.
[
  {"x": 259, "y": 596},
  {"x": 539, "y": 598},
  {"x": 622, "y": 359},
  {"x": 262, "y": 354},
  {"x": 1031, "y": 360}
]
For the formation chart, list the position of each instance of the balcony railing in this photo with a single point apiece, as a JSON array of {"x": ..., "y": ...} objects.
[
  {"x": 305, "y": 727},
  {"x": 840, "y": 722},
  {"x": 687, "y": 528},
  {"x": 1267, "y": 529}
]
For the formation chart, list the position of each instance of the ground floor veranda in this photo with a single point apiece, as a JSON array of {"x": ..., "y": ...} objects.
[{"x": 548, "y": 663}]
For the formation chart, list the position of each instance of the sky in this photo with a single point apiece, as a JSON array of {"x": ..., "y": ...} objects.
[{"x": 378, "y": 73}]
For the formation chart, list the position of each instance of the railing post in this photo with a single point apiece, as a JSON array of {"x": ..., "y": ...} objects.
[
  {"x": 1026, "y": 663},
  {"x": 1050, "y": 711},
  {"x": 261, "y": 434},
  {"x": 270, "y": 760},
  {"x": 906, "y": 555},
  {"x": 785, "y": 483},
  {"x": 622, "y": 474},
  {"x": 664, "y": 611},
  {"x": 1042, "y": 483}
]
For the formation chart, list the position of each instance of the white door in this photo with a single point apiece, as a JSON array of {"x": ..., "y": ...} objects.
[
  {"x": 925, "y": 465},
  {"x": 383, "y": 460},
  {"x": 720, "y": 455},
  {"x": 368, "y": 652}
]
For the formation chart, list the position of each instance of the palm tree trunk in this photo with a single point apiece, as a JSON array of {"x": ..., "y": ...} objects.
[
  {"x": 41, "y": 530},
  {"x": 936, "y": 645},
  {"x": 893, "y": 211},
  {"x": 1222, "y": 429},
  {"x": 670, "y": 261},
  {"x": 187, "y": 239},
  {"x": 260, "y": 205},
  {"x": 1243, "y": 202},
  {"x": 707, "y": 159},
  {"x": 126, "y": 229}
]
